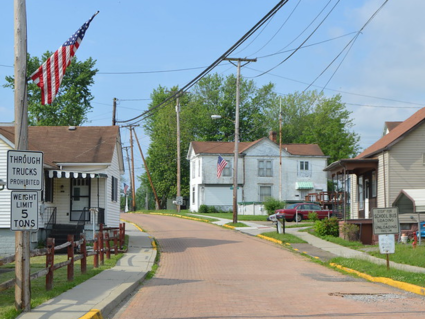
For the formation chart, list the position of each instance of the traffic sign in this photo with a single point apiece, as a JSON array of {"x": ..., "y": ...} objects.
[
  {"x": 24, "y": 210},
  {"x": 385, "y": 221},
  {"x": 24, "y": 170}
]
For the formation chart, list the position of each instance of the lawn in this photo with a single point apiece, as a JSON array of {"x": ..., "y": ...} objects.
[{"x": 39, "y": 294}]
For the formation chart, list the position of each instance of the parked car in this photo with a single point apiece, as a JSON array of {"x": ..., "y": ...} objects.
[{"x": 298, "y": 212}]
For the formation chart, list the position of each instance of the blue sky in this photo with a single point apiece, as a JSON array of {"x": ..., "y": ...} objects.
[{"x": 380, "y": 79}]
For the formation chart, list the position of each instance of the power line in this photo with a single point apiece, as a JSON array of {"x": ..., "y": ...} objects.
[{"x": 215, "y": 63}]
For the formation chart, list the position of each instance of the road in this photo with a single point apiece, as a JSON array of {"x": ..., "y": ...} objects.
[{"x": 206, "y": 271}]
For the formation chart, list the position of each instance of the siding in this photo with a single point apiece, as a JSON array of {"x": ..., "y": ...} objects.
[
  {"x": 4, "y": 194},
  {"x": 407, "y": 167},
  {"x": 112, "y": 208}
]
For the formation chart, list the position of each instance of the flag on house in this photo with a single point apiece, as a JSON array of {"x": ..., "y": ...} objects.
[
  {"x": 125, "y": 188},
  {"x": 221, "y": 164},
  {"x": 50, "y": 74}
]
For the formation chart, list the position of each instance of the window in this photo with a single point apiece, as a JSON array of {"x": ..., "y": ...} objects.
[
  {"x": 227, "y": 171},
  {"x": 374, "y": 184},
  {"x": 193, "y": 195},
  {"x": 114, "y": 187},
  {"x": 304, "y": 166},
  {"x": 360, "y": 193},
  {"x": 193, "y": 169},
  {"x": 265, "y": 191},
  {"x": 265, "y": 168}
]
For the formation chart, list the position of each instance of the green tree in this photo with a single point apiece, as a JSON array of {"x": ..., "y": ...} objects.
[
  {"x": 72, "y": 103},
  {"x": 311, "y": 118}
]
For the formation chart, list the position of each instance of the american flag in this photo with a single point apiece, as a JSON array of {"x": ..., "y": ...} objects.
[
  {"x": 125, "y": 188},
  {"x": 221, "y": 164},
  {"x": 49, "y": 75}
]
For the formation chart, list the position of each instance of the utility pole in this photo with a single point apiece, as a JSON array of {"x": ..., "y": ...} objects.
[
  {"x": 178, "y": 153},
  {"x": 22, "y": 238},
  {"x": 280, "y": 149},
  {"x": 236, "y": 152},
  {"x": 133, "y": 193},
  {"x": 129, "y": 171},
  {"x": 114, "y": 111},
  {"x": 149, "y": 175}
]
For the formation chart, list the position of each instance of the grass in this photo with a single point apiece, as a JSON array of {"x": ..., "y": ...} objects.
[
  {"x": 39, "y": 294},
  {"x": 375, "y": 270},
  {"x": 285, "y": 238}
]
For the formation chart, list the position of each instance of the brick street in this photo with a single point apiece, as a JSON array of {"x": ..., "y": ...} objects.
[{"x": 208, "y": 271}]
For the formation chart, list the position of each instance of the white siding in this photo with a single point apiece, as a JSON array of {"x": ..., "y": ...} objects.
[
  {"x": 4, "y": 194},
  {"x": 112, "y": 208}
]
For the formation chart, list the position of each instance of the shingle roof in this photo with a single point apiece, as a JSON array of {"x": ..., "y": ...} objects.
[
  {"x": 229, "y": 147},
  {"x": 394, "y": 135},
  {"x": 85, "y": 144}
]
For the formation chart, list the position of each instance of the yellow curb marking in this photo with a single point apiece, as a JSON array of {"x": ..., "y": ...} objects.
[
  {"x": 228, "y": 226},
  {"x": 394, "y": 283},
  {"x": 270, "y": 239},
  {"x": 92, "y": 314}
]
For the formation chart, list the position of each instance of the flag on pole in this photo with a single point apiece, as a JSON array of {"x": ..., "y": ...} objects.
[
  {"x": 50, "y": 74},
  {"x": 125, "y": 188},
  {"x": 221, "y": 164}
]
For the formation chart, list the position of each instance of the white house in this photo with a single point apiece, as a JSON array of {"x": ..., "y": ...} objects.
[
  {"x": 260, "y": 174},
  {"x": 82, "y": 169}
]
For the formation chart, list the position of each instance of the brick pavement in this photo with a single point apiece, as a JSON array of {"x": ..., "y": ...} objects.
[{"x": 211, "y": 272}]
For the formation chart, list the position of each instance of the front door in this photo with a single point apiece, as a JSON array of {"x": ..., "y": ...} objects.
[{"x": 80, "y": 198}]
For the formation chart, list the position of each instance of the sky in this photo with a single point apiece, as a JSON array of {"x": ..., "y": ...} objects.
[{"x": 140, "y": 45}]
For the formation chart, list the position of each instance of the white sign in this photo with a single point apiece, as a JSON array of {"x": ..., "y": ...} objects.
[
  {"x": 24, "y": 211},
  {"x": 24, "y": 170},
  {"x": 387, "y": 244},
  {"x": 385, "y": 221}
]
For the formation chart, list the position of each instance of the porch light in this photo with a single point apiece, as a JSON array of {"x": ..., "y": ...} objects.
[{"x": 2, "y": 184}]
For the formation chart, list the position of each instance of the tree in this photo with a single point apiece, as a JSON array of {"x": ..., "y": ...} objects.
[
  {"x": 311, "y": 118},
  {"x": 72, "y": 103},
  {"x": 214, "y": 94}
]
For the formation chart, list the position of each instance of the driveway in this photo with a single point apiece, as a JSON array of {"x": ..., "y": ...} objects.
[{"x": 207, "y": 271}]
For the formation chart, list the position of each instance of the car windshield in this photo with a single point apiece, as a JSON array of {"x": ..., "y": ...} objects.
[{"x": 291, "y": 206}]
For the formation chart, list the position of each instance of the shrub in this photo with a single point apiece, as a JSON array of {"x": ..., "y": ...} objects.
[
  {"x": 327, "y": 227},
  {"x": 212, "y": 210},
  {"x": 203, "y": 209},
  {"x": 350, "y": 231},
  {"x": 313, "y": 216},
  {"x": 271, "y": 204}
]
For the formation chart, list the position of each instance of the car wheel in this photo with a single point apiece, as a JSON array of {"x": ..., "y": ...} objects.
[{"x": 298, "y": 217}]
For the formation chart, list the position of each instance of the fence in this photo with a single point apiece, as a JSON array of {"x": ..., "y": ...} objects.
[{"x": 101, "y": 247}]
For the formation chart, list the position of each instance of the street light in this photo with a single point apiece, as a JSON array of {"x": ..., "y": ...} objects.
[{"x": 235, "y": 162}]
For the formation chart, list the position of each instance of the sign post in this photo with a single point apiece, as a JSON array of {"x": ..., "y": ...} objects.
[{"x": 386, "y": 225}]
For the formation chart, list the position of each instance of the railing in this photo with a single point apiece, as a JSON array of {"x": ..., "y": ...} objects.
[
  {"x": 101, "y": 246},
  {"x": 52, "y": 219}
]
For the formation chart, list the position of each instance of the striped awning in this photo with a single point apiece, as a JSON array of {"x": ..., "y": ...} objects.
[
  {"x": 304, "y": 185},
  {"x": 73, "y": 174}
]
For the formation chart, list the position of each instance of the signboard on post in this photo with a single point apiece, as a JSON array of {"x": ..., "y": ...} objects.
[
  {"x": 385, "y": 221},
  {"x": 24, "y": 170},
  {"x": 24, "y": 211}
]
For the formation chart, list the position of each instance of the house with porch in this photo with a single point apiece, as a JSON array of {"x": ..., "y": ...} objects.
[
  {"x": 265, "y": 169},
  {"x": 82, "y": 169},
  {"x": 378, "y": 175}
]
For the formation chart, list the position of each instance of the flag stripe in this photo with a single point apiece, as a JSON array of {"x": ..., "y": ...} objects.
[
  {"x": 221, "y": 164},
  {"x": 50, "y": 74}
]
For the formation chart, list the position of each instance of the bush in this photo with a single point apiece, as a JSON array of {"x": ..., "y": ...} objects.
[
  {"x": 203, "y": 209},
  {"x": 313, "y": 216},
  {"x": 350, "y": 231},
  {"x": 271, "y": 204},
  {"x": 327, "y": 227}
]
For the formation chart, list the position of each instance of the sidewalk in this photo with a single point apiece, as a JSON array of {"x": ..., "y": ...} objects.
[{"x": 103, "y": 292}]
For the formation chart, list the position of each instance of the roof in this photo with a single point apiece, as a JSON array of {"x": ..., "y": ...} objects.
[
  {"x": 394, "y": 135},
  {"x": 229, "y": 148},
  {"x": 303, "y": 149},
  {"x": 416, "y": 196},
  {"x": 62, "y": 144}
]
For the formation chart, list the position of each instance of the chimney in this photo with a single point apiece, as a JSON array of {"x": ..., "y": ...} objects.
[{"x": 272, "y": 136}]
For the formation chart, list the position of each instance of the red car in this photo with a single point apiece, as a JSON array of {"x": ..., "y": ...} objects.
[{"x": 298, "y": 212}]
